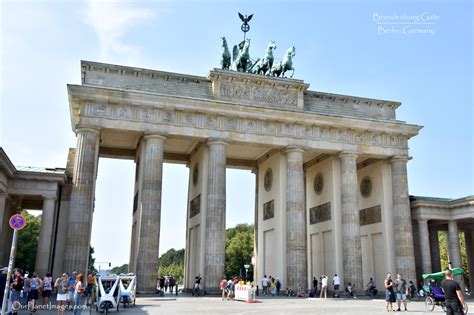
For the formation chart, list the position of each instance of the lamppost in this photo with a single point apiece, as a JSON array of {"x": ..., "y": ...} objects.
[{"x": 247, "y": 266}]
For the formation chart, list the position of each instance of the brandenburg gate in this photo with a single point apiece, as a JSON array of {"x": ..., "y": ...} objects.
[{"x": 331, "y": 171}]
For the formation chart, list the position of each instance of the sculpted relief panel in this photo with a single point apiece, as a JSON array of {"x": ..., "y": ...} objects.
[
  {"x": 248, "y": 125},
  {"x": 280, "y": 97}
]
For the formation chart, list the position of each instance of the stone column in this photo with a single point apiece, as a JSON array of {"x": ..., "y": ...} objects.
[
  {"x": 296, "y": 255},
  {"x": 350, "y": 225},
  {"x": 43, "y": 252},
  {"x": 150, "y": 212},
  {"x": 434, "y": 249},
  {"x": 453, "y": 244},
  {"x": 403, "y": 232},
  {"x": 214, "y": 254},
  {"x": 76, "y": 254},
  {"x": 469, "y": 235},
  {"x": 3, "y": 221},
  {"x": 424, "y": 246}
]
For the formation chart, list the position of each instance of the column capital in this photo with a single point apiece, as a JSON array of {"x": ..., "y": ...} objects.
[
  {"x": 154, "y": 136},
  {"x": 294, "y": 148},
  {"x": 400, "y": 158},
  {"x": 214, "y": 141},
  {"x": 46, "y": 197},
  {"x": 87, "y": 129},
  {"x": 422, "y": 220},
  {"x": 347, "y": 154}
]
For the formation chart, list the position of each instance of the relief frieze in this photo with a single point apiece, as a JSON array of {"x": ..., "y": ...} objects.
[{"x": 259, "y": 94}]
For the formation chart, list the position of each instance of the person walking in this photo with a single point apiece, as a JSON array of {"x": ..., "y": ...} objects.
[
  {"x": 389, "y": 293},
  {"x": 315, "y": 285},
  {"x": 454, "y": 298},
  {"x": 171, "y": 283},
  {"x": 62, "y": 286},
  {"x": 402, "y": 292},
  {"x": 324, "y": 287},
  {"x": 34, "y": 290},
  {"x": 336, "y": 282},
  {"x": 278, "y": 286},
  {"x": 265, "y": 285},
  {"x": 47, "y": 288},
  {"x": 72, "y": 282},
  {"x": 17, "y": 286},
  {"x": 79, "y": 289}
]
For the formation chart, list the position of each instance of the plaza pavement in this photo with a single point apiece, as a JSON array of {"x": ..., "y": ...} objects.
[{"x": 185, "y": 304}]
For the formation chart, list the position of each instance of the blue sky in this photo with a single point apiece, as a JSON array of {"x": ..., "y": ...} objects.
[{"x": 339, "y": 49}]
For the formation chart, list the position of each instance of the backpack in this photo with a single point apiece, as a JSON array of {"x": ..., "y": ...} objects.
[{"x": 34, "y": 284}]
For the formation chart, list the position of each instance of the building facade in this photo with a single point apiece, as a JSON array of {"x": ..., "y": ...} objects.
[{"x": 331, "y": 172}]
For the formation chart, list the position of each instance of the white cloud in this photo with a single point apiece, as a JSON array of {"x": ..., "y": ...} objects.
[{"x": 111, "y": 20}]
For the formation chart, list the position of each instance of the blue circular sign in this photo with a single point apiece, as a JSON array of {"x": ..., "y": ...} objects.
[{"x": 17, "y": 222}]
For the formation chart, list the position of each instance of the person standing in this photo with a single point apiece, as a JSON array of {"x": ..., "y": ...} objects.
[
  {"x": 402, "y": 292},
  {"x": 79, "y": 289},
  {"x": 62, "y": 285},
  {"x": 3, "y": 282},
  {"x": 454, "y": 298},
  {"x": 17, "y": 286},
  {"x": 389, "y": 293},
  {"x": 72, "y": 282},
  {"x": 34, "y": 289},
  {"x": 278, "y": 286},
  {"x": 336, "y": 282},
  {"x": 324, "y": 287},
  {"x": 265, "y": 285},
  {"x": 315, "y": 285},
  {"x": 47, "y": 288},
  {"x": 223, "y": 286},
  {"x": 171, "y": 283}
]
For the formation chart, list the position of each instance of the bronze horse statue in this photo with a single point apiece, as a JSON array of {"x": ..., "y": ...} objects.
[
  {"x": 241, "y": 56},
  {"x": 265, "y": 64},
  {"x": 225, "y": 55},
  {"x": 280, "y": 67}
]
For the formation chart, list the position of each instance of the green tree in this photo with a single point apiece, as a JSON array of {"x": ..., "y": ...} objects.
[
  {"x": 91, "y": 260},
  {"x": 171, "y": 263},
  {"x": 119, "y": 270},
  {"x": 239, "y": 250},
  {"x": 28, "y": 237},
  {"x": 444, "y": 255}
]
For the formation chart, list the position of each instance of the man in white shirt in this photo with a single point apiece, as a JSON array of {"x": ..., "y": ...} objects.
[
  {"x": 324, "y": 287},
  {"x": 265, "y": 285},
  {"x": 336, "y": 282}
]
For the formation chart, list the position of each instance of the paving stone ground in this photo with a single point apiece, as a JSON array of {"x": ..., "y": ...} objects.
[{"x": 214, "y": 305}]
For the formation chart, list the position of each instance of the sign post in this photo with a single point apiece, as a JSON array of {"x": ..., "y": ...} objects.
[{"x": 17, "y": 222}]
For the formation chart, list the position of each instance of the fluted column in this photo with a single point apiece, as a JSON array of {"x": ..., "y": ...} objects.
[
  {"x": 214, "y": 256},
  {"x": 150, "y": 212},
  {"x": 434, "y": 249},
  {"x": 350, "y": 225},
  {"x": 82, "y": 201},
  {"x": 469, "y": 235},
  {"x": 296, "y": 255},
  {"x": 403, "y": 232},
  {"x": 43, "y": 251},
  {"x": 424, "y": 246}
]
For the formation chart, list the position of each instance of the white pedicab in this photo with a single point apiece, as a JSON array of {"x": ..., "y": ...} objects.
[
  {"x": 128, "y": 285},
  {"x": 108, "y": 293}
]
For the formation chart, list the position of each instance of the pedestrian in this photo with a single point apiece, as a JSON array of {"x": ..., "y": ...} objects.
[
  {"x": 336, "y": 282},
  {"x": 324, "y": 287},
  {"x": 47, "y": 288},
  {"x": 79, "y": 289},
  {"x": 3, "y": 282},
  {"x": 171, "y": 283},
  {"x": 402, "y": 292},
  {"x": 349, "y": 290},
  {"x": 389, "y": 293},
  {"x": 273, "y": 286},
  {"x": 34, "y": 289},
  {"x": 62, "y": 286},
  {"x": 223, "y": 286},
  {"x": 315, "y": 285},
  {"x": 454, "y": 298},
  {"x": 265, "y": 285},
  {"x": 17, "y": 286},
  {"x": 162, "y": 283},
  {"x": 89, "y": 288},
  {"x": 26, "y": 288},
  {"x": 278, "y": 286},
  {"x": 167, "y": 280},
  {"x": 72, "y": 282}
]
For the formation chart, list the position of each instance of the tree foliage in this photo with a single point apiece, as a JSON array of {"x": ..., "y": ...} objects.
[
  {"x": 121, "y": 269},
  {"x": 444, "y": 254},
  {"x": 239, "y": 250},
  {"x": 171, "y": 263},
  {"x": 91, "y": 260},
  {"x": 28, "y": 238}
]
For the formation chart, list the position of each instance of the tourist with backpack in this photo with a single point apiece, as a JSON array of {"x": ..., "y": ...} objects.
[
  {"x": 47, "y": 288},
  {"x": 17, "y": 286},
  {"x": 62, "y": 286},
  {"x": 34, "y": 289}
]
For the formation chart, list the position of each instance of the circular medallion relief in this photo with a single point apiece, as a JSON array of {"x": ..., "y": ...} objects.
[
  {"x": 268, "y": 179},
  {"x": 366, "y": 187},
  {"x": 318, "y": 183},
  {"x": 195, "y": 174}
]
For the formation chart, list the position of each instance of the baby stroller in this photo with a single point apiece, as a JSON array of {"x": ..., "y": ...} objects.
[
  {"x": 108, "y": 293},
  {"x": 128, "y": 284}
]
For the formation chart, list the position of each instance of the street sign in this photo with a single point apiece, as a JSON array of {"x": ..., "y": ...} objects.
[{"x": 17, "y": 222}]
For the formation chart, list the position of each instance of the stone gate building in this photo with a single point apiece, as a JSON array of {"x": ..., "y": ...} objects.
[{"x": 331, "y": 176}]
